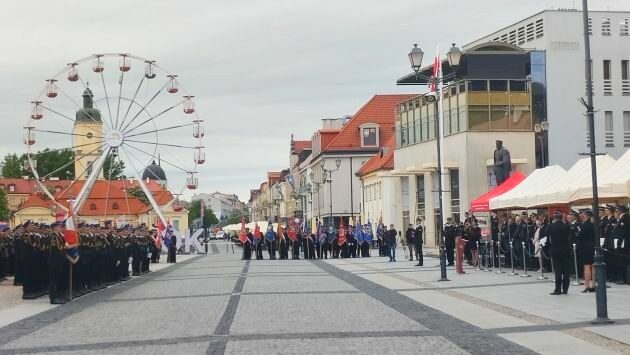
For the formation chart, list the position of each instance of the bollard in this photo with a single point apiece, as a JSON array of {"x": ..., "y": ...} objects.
[
  {"x": 542, "y": 268},
  {"x": 487, "y": 257},
  {"x": 478, "y": 257},
  {"x": 513, "y": 273},
  {"x": 577, "y": 277},
  {"x": 492, "y": 254},
  {"x": 601, "y": 299},
  {"x": 524, "y": 262}
]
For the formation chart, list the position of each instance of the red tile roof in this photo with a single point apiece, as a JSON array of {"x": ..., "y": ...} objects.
[
  {"x": 384, "y": 160},
  {"x": 298, "y": 146},
  {"x": 380, "y": 110}
]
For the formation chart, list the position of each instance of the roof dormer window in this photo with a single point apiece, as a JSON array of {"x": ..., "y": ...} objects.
[
  {"x": 11, "y": 188},
  {"x": 369, "y": 135}
]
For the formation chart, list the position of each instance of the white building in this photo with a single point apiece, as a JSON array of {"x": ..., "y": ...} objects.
[
  {"x": 222, "y": 204},
  {"x": 558, "y": 35}
]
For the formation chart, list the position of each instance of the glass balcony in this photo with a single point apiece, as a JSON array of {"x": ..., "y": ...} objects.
[{"x": 467, "y": 106}]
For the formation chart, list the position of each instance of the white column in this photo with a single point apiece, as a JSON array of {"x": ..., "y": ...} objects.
[
  {"x": 413, "y": 200},
  {"x": 389, "y": 199},
  {"x": 429, "y": 202},
  {"x": 397, "y": 208},
  {"x": 446, "y": 196}
]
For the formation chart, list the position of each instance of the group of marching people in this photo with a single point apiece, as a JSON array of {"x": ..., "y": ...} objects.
[
  {"x": 345, "y": 242},
  {"x": 41, "y": 261}
]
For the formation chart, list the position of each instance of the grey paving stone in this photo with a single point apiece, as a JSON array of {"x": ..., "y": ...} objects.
[
  {"x": 274, "y": 314},
  {"x": 306, "y": 346},
  {"x": 291, "y": 283}
]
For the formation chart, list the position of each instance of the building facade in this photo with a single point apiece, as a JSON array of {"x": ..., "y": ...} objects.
[
  {"x": 557, "y": 35},
  {"x": 223, "y": 205},
  {"x": 490, "y": 99}
]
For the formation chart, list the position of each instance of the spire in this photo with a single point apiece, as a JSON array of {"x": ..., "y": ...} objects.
[{"x": 87, "y": 97}]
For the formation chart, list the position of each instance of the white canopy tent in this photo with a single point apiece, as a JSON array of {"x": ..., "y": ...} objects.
[
  {"x": 614, "y": 183},
  {"x": 519, "y": 197},
  {"x": 579, "y": 176}
]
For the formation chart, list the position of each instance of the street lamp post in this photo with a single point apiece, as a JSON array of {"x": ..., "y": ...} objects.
[
  {"x": 415, "y": 58},
  {"x": 599, "y": 265},
  {"x": 324, "y": 171},
  {"x": 541, "y": 129}
]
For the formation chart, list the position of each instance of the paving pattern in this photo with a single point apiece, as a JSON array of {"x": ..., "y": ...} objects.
[{"x": 219, "y": 304}]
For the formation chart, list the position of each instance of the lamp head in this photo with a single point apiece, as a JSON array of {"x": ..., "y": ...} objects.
[
  {"x": 454, "y": 55},
  {"x": 415, "y": 57}
]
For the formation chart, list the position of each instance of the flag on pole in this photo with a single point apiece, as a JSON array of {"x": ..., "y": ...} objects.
[
  {"x": 243, "y": 235},
  {"x": 71, "y": 238},
  {"x": 279, "y": 231},
  {"x": 256, "y": 233},
  {"x": 358, "y": 234},
  {"x": 321, "y": 234},
  {"x": 437, "y": 63},
  {"x": 161, "y": 228},
  {"x": 342, "y": 233},
  {"x": 292, "y": 232},
  {"x": 368, "y": 234},
  {"x": 269, "y": 235}
]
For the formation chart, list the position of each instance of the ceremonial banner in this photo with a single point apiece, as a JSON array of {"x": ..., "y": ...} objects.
[
  {"x": 269, "y": 235},
  {"x": 342, "y": 233},
  {"x": 256, "y": 233},
  {"x": 358, "y": 233},
  {"x": 321, "y": 234},
  {"x": 292, "y": 232},
  {"x": 72, "y": 239},
  {"x": 243, "y": 235}
]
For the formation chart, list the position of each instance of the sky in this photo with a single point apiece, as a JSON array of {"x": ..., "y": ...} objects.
[{"x": 260, "y": 70}]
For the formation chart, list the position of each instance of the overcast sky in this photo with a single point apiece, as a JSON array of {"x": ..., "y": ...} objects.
[{"x": 261, "y": 70}]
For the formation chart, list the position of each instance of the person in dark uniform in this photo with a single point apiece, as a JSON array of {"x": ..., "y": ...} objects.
[
  {"x": 352, "y": 243},
  {"x": 409, "y": 239},
  {"x": 284, "y": 246},
  {"x": 310, "y": 242},
  {"x": 607, "y": 227},
  {"x": 450, "y": 233},
  {"x": 172, "y": 250},
  {"x": 258, "y": 244},
  {"x": 380, "y": 236},
  {"x": 57, "y": 267},
  {"x": 295, "y": 247},
  {"x": 247, "y": 245},
  {"x": 270, "y": 238},
  {"x": 390, "y": 240},
  {"x": 418, "y": 235},
  {"x": 559, "y": 234},
  {"x": 622, "y": 234},
  {"x": 586, "y": 248},
  {"x": 574, "y": 226}
]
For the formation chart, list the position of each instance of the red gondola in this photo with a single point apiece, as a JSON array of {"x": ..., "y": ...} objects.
[
  {"x": 98, "y": 65},
  {"x": 149, "y": 72},
  {"x": 171, "y": 87},
  {"x": 124, "y": 63},
  {"x": 73, "y": 73},
  {"x": 51, "y": 88},
  {"x": 36, "y": 114},
  {"x": 189, "y": 105},
  {"x": 192, "y": 183},
  {"x": 200, "y": 157},
  {"x": 177, "y": 206},
  {"x": 29, "y": 137}
]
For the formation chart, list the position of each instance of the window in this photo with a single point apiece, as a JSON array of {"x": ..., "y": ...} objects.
[
  {"x": 540, "y": 28},
  {"x": 625, "y": 69},
  {"x": 369, "y": 136},
  {"x": 608, "y": 129},
  {"x": 624, "y": 27},
  {"x": 93, "y": 207},
  {"x": 89, "y": 135},
  {"x": 89, "y": 169},
  {"x": 477, "y": 85},
  {"x": 454, "y": 177},
  {"x": 11, "y": 188},
  {"x": 115, "y": 206},
  {"x": 420, "y": 196},
  {"x": 518, "y": 85},
  {"x": 606, "y": 69},
  {"x": 590, "y": 26},
  {"x": 605, "y": 27},
  {"x": 478, "y": 117},
  {"x": 498, "y": 85},
  {"x": 499, "y": 117},
  {"x": 626, "y": 128}
]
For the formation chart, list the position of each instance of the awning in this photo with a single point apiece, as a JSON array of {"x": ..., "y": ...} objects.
[{"x": 482, "y": 203}]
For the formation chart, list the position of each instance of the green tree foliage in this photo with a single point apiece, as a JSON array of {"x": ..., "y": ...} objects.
[
  {"x": 138, "y": 193},
  {"x": 57, "y": 163},
  {"x": 5, "y": 213},
  {"x": 12, "y": 166},
  {"x": 113, "y": 169},
  {"x": 194, "y": 212}
]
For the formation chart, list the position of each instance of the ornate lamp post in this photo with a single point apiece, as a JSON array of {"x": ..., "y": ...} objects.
[
  {"x": 329, "y": 181},
  {"x": 541, "y": 129},
  {"x": 454, "y": 56}
]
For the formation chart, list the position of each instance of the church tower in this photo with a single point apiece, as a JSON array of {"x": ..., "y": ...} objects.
[{"x": 88, "y": 128}]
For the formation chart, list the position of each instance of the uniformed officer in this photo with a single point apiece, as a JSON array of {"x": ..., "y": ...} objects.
[
  {"x": 409, "y": 238},
  {"x": 418, "y": 235},
  {"x": 450, "y": 232},
  {"x": 586, "y": 248},
  {"x": 559, "y": 235},
  {"x": 57, "y": 267}
]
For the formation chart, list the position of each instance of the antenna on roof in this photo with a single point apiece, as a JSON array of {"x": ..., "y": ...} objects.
[{"x": 159, "y": 160}]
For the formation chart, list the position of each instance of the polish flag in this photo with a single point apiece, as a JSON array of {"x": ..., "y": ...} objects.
[
  {"x": 71, "y": 238},
  {"x": 243, "y": 236},
  {"x": 437, "y": 66}
]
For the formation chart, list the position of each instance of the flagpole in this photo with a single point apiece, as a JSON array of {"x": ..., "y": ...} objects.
[{"x": 70, "y": 278}]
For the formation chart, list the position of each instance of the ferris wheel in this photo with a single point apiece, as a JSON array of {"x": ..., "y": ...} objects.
[{"x": 114, "y": 112}]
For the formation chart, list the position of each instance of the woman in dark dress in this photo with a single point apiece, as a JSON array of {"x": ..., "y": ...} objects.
[{"x": 586, "y": 248}]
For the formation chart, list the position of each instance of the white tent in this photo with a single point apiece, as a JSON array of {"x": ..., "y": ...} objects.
[
  {"x": 613, "y": 183},
  {"x": 519, "y": 197},
  {"x": 559, "y": 192}
]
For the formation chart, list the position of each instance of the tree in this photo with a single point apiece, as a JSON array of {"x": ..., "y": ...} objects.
[
  {"x": 5, "y": 213},
  {"x": 12, "y": 166},
  {"x": 138, "y": 193},
  {"x": 115, "y": 170},
  {"x": 54, "y": 163},
  {"x": 194, "y": 211}
]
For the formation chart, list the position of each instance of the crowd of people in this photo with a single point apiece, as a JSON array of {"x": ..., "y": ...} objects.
[{"x": 36, "y": 256}]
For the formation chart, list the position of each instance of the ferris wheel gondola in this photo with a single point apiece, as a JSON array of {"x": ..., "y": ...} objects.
[{"x": 107, "y": 119}]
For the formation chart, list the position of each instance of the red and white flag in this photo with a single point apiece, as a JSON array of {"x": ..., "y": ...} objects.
[
  {"x": 437, "y": 68},
  {"x": 243, "y": 235},
  {"x": 342, "y": 233},
  {"x": 71, "y": 238}
]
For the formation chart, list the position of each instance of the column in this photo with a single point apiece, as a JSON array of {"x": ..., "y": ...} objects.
[
  {"x": 446, "y": 196},
  {"x": 397, "y": 207},
  {"x": 429, "y": 202},
  {"x": 413, "y": 200}
]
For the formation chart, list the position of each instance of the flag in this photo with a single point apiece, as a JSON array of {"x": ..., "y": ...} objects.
[
  {"x": 437, "y": 63},
  {"x": 71, "y": 238},
  {"x": 243, "y": 235},
  {"x": 368, "y": 235},
  {"x": 292, "y": 232},
  {"x": 256, "y": 233},
  {"x": 342, "y": 233},
  {"x": 358, "y": 233},
  {"x": 161, "y": 228},
  {"x": 321, "y": 234},
  {"x": 279, "y": 231}
]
